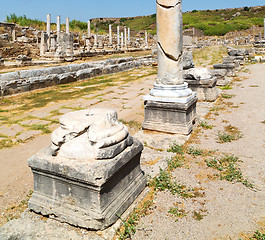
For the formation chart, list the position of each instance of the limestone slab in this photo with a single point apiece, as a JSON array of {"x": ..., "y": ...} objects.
[{"x": 88, "y": 193}]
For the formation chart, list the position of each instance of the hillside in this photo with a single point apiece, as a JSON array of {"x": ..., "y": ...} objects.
[{"x": 211, "y": 22}]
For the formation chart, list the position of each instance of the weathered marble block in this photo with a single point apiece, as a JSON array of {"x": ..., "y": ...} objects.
[
  {"x": 229, "y": 67},
  {"x": 171, "y": 117},
  {"x": 201, "y": 81},
  {"x": 87, "y": 192}
]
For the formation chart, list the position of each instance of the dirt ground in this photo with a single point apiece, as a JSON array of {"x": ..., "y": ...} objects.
[{"x": 221, "y": 209}]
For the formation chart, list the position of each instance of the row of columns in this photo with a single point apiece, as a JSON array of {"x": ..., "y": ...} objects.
[
  {"x": 121, "y": 40},
  {"x": 125, "y": 36},
  {"x": 58, "y": 23}
]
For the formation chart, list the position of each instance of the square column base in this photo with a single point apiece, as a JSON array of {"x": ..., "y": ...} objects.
[
  {"x": 86, "y": 193},
  {"x": 171, "y": 117}
]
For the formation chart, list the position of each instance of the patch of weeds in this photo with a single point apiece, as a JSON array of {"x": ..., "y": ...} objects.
[
  {"x": 131, "y": 124},
  {"x": 15, "y": 211},
  {"x": 263, "y": 122},
  {"x": 227, "y": 87},
  {"x": 195, "y": 151},
  {"x": 6, "y": 143},
  {"x": 154, "y": 148},
  {"x": 164, "y": 182},
  {"x": 175, "y": 148},
  {"x": 205, "y": 125},
  {"x": 231, "y": 133},
  {"x": 216, "y": 108},
  {"x": 224, "y": 137},
  {"x": 227, "y": 96},
  {"x": 44, "y": 128},
  {"x": 258, "y": 236},
  {"x": 128, "y": 226},
  {"x": 177, "y": 212},
  {"x": 3, "y": 110},
  {"x": 3, "y": 135},
  {"x": 254, "y": 86},
  {"x": 197, "y": 215},
  {"x": 229, "y": 170},
  {"x": 175, "y": 162}
]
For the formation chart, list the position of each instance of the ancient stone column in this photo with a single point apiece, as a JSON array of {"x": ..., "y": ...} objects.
[
  {"x": 118, "y": 35},
  {"x": 129, "y": 35},
  {"x": 146, "y": 39},
  {"x": 110, "y": 35},
  {"x": 58, "y": 26},
  {"x": 125, "y": 36},
  {"x": 169, "y": 42},
  {"x": 122, "y": 43},
  {"x": 171, "y": 105},
  {"x": 13, "y": 33},
  {"x": 96, "y": 40},
  {"x": 48, "y": 29},
  {"x": 88, "y": 28},
  {"x": 264, "y": 29},
  {"x": 67, "y": 26}
]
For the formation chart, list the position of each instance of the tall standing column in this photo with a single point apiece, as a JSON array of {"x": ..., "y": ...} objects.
[
  {"x": 171, "y": 105},
  {"x": 129, "y": 35},
  {"x": 169, "y": 42},
  {"x": 146, "y": 39},
  {"x": 48, "y": 29},
  {"x": 264, "y": 29},
  {"x": 58, "y": 26},
  {"x": 110, "y": 35},
  {"x": 88, "y": 28},
  {"x": 118, "y": 36},
  {"x": 122, "y": 44},
  {"x": 67, "y": 26},
  {"x": 125, "y": 36}
]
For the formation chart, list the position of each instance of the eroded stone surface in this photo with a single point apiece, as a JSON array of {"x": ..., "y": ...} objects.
[{"x": 88, "y": 134}]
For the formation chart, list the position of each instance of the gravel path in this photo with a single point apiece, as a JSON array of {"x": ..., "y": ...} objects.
[{"x": 227, "y": 210}]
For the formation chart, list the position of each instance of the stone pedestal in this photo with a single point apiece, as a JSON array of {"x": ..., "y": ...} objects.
[
  {"x": 171, "y": 105},
  {"x": 91, "y": 172},
  {"x": 205, "y": 89},
  {"x": 170, "y": 117}
]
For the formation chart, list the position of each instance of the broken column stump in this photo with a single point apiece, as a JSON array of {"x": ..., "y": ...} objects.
[{"x": 91, "y": 172}]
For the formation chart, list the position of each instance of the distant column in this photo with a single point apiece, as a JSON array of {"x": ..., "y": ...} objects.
[
  {"x": 110, "y": 35},
  {"x": 122, "y": 39},
  {"x": 88, "y": 28},
  {"x": 67, "y": 26},
  {"x": 125, "y": 36},
  {"x": 48, "y": 29},
  {"x": 129, "y": 35},
  {"x": 58, "y": 26},
  {"x": 96, "y": 40},
  {"x": 13, "y": 33},
  {"x": 118, "y": 35},
  {"x": 146, "y": 39},
  {"x": 264, "y": 28}
]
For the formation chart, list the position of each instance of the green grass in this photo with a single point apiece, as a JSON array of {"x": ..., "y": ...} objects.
[
  {"x": 177, "y": 212},
  {"x": 175, "y": 148},
  {"x": 211, "y": 22},
  {"x": 227, "y": 96},
  {"x": 230, "y": 134},
  {"x": 205, "y": 125},
  {"x": 227, "y": 87},
  {"x": 229, "y": 169},
  {"x": 164, "y": 181}
]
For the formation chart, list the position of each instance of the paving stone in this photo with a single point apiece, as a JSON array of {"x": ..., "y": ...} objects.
[
  {"x": 11, "y": 130},
  {"x": 34, "y": 121},
  {"x": 28, "y": 134}
]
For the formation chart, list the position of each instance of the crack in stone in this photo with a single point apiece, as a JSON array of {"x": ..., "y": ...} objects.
[
  {"x": 169, "y": 55},
  {"x": 168, "y": 7}
]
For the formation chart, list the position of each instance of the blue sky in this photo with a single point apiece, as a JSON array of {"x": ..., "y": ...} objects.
[{"x": 85, "y": 9}]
